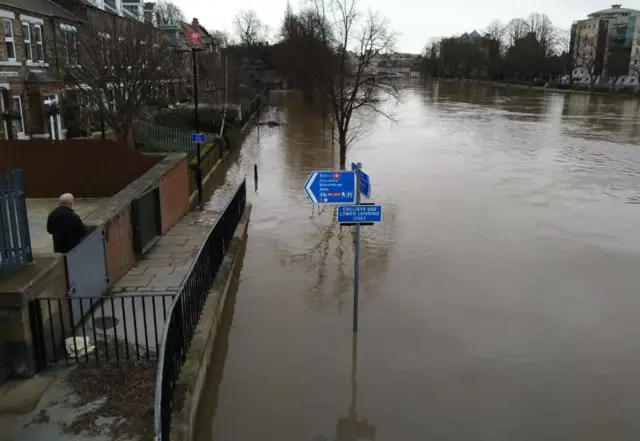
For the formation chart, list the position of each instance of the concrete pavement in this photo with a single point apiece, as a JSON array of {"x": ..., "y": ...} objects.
[{"x": 165, "y": 266}]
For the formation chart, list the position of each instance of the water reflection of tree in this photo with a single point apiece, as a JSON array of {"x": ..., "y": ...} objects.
[{"x": 328, "y": 256}]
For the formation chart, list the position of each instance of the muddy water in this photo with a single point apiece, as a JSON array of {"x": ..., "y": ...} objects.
[{"x": 500, "y": 297}]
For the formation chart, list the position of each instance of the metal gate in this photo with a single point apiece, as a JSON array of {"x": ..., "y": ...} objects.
[
  {"x": 87, "y": 272},
  {"x": 145, "y": 220}
]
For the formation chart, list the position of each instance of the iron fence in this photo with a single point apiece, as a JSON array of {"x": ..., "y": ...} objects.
[
  {"x": 155, "y": 138},
  {"x": 187, "y": 306},
  {"x": 113, "y": 329},
  {"x": 15, "y": 240}
]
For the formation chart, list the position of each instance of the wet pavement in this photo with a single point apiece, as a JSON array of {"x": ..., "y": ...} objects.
[{"x": 499, "y": 296}]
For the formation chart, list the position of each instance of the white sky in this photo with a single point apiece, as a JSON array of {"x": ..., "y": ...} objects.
[{"x": 416, "y": 21}]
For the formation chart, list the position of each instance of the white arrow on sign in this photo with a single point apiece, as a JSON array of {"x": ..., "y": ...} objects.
[{"x": 307, "y": 188}]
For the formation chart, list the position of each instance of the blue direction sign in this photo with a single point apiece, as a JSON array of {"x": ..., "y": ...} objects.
[
  {"x": 197, "y": 138},
  {"x": 331, "y": 187},
  {"x": 365, "y": 182},
  {"x": 359, "y": 214}
]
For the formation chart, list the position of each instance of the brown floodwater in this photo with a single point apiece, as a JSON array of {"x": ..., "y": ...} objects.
[{"x": 500, "y": 297}]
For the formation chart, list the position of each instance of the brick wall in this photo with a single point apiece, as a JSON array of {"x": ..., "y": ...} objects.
[
  {"x": 174, "y": 195},
  {"x": 86, "y": 168},
  {"x": 119, "y": 245}
]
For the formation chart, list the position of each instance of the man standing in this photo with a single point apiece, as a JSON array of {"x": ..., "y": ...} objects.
[{"x": 65, "y": 225}]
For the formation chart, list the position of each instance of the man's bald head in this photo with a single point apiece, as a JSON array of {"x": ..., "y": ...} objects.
[{"x": 66, "y": 200}]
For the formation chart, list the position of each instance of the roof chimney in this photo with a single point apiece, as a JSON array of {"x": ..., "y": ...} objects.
[
  {"x": 616, "y": 6},
  {"x": 195, "y": 23}
]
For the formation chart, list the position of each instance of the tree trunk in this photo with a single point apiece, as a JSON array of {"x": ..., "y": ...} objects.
[{"x": 343, "y": 152}]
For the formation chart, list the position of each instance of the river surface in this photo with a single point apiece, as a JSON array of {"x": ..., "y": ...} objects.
[{"x": 500, "y": 297}]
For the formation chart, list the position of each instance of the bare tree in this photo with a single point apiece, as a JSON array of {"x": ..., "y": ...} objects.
[
  {"x": 542, "y": 27},
  {"x": 220, "y": 38},
  {"x": 168, "y": 13},
  {"x": 249, "y": 29},
  {"x": 117, "y": 66},
  {"x": 355, "y": 90},
  {"x": 496, "y": 30},
  {"x": 585, "y": 55},
  {"x": 516, "y": 29}
]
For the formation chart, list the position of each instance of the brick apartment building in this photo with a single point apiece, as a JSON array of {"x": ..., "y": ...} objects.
[{"x": 30, "y": 81}]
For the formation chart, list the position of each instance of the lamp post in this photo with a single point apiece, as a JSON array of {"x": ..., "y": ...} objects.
[{"x": 196, "y": 117}]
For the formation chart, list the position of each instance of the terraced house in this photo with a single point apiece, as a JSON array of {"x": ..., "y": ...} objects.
[
  {"x": 31, "y": 84},
  {"x": 61, "y": 70}
]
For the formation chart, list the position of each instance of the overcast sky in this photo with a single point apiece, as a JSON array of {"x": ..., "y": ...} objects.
[{"x": 416, "y": 21}]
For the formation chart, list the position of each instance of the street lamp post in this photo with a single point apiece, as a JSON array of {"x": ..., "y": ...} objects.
[{"x": 196, "y": 117}]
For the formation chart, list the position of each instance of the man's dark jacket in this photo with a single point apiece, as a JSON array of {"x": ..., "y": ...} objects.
[{"x": 66, "y": 227}]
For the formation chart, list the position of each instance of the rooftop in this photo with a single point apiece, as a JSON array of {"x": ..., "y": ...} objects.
[
  {"x": 613, "y": 11},
  {"x": 42, "y": 7}
]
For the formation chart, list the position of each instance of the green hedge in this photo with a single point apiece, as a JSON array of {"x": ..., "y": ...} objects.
[{"x": 210, "y": 118}]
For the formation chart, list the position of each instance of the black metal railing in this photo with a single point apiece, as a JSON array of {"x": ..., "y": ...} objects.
[
  {"x": 114, "y": 329},
  {"x": 15, "y": 240},
  {"x": 187, "y": 306}
]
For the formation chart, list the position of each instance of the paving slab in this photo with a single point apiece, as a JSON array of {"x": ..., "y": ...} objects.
[
  {"x": 166, "y": 265},
  {"x": 37, "y": 212}
]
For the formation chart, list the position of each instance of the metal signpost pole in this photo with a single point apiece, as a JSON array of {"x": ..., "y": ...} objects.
[{"x": 356, "y": 269}]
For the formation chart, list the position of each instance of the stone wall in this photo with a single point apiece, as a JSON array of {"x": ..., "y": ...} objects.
[{"x": 45, "y": 278}]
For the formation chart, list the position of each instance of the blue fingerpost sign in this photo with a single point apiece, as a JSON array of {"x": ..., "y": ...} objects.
[
  {"x": 359, "y": 214},
  {"x": 331, "y": 187},
  {"x": 365, "y": 183},
  {"x": 197, "y": 138}
]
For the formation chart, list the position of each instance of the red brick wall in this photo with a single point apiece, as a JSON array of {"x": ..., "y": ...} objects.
[
  {"x": 174, "y": 195},
  {"x": 86, "y": 168},
  {"x": 119, "y": 245}
]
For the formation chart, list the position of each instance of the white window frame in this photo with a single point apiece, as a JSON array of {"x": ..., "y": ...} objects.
[
  {"x": 39, "y": 44},
  {"x": 8, "y": 39},
  {"x": 19, "y": 135},
  {"x": 71, "y": 30},
  {"x": 26, "y": 38}
]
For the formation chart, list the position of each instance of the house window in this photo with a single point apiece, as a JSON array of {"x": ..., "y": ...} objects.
[
  {"x": 110, "y": 100},
  {"x": 39, "y": 54},
  {"x": 8, "y": 38},
  {"x": 71, "y": 47},
  {"x": 26, "y": 36},
  {"x": 18, "y": 124}
]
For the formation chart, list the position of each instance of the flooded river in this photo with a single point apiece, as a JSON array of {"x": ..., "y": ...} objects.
[{"x": 500, "y": 297}]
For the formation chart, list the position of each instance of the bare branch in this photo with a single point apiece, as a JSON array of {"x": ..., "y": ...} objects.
[
  {"x": 168, "y": 13},
  {"x": 356, "y": 90},
  {"x": 250, "y": 29},
  {"x": 118, "y": 65}
]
